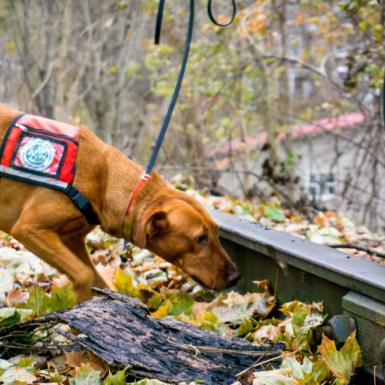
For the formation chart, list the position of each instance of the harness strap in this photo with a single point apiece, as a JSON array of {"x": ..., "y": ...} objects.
[{"x": 82, "y": 203}]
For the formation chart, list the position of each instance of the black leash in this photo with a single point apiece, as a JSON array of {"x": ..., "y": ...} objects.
[
  {"x": 170, "y": 110},
  {"x": 187, "y": 45},
  {"x": 159, "y": 18}
]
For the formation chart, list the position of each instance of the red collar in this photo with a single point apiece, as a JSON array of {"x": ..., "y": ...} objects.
[
  {"x": 128, "y": 222},
  {"x": 142, "y": 182}
]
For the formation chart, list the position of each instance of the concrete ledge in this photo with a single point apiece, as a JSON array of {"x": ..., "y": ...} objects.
[{"x": 345, "y": 270}]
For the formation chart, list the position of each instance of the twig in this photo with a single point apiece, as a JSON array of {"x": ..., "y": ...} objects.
[
  {"x": 294, "y": 60},
  {"x": 245, "y": 373},
  {"x": 208, "y": 349},
  {"x": 38, "y": 89},
  {"x": 256, "y": 365}
]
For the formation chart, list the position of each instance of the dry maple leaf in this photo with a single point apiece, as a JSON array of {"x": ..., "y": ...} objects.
[
  {"x": 16, "y": 297},
  {"x": 77, "y": 359}
]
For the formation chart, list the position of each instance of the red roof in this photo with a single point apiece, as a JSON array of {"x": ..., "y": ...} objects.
[{"x": 300, "y": 130}]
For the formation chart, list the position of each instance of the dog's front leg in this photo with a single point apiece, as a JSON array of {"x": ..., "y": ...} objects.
[
  {"x": 76, "y": 243},
  {"x": 47, "y": 245}
]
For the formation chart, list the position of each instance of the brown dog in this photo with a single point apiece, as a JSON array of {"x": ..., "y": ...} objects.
[{"x": 164, "y": 220}]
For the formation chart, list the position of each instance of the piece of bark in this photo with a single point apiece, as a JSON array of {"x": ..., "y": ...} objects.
[{"x": 120, "y": 330}]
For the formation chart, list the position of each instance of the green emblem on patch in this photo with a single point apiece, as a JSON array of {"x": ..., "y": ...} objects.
[{"x": 37, "y": 154}]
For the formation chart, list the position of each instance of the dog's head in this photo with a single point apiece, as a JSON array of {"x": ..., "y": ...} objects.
[{"x": 180, "y": 230}]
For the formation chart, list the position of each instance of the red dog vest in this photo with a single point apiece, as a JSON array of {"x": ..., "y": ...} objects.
[{"x": 41, "y": 151}]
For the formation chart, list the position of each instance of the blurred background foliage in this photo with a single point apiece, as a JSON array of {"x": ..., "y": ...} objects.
[{"x": 281, "y": 63}]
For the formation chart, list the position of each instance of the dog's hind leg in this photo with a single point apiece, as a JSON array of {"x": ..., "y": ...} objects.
[
  {"x": 76, "y": 243},
  {"x": 47, "y": 245}
]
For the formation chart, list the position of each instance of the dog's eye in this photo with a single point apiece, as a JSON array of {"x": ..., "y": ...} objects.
[{"x": 202, "y": 239}]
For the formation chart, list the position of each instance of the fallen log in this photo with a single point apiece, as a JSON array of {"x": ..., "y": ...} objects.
[{"x": 119, "y": 330}]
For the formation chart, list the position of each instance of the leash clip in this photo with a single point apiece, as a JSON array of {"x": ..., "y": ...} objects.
[{"x": 145, "y": 177}]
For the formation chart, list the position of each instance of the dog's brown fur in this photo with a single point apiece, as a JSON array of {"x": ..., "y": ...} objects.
[{"x": 165, "y": 221}]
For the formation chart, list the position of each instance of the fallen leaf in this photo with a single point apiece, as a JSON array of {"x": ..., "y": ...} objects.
[
  {"x": 163, "y": 310},
  {"x": 274, "y": 377},
  {"x": 21, "y": 261},
  {"x": 4, "y": 364},
  {"x": 108, "y": 272},
  {"x": 238, "y": 308},
  {"x": 324, "y": 235},
  {"x": 10, "y": 316},
  {"x": 77, "y": 359},
  {"x": 266, "y": 334},
  {"x": 16, "y": 297},
  {"x": 341, "y": 363},
  {"x": 59, "y": 281},
  {"x": 86, "y": 375},
  {"x": 307, "y": 373},
  {"x": 124, "y": 282},
  {"x": 17, "y": 376},
  {"x": 59, "y": 299},
  {"x": 119, "y": 378},
  {"x": 274, "y": 213},
  {"x": 148, "y": 382},
  {"x": 201, "y": 307},
  {"x": 6, "y": 280}
]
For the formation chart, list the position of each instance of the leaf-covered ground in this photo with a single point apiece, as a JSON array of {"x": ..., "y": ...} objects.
[{"x": 29, "y": 288}]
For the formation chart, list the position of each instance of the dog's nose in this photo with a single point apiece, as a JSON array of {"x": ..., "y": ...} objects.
[{"x": 233, "y": 277}]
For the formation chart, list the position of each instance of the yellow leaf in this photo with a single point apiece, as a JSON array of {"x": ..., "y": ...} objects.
[
  {"x": 341, "y": 363},
  {"x": 124, "y": 283},
  {"x": 163, "y": 310},
  {"x": 210, "y": 317}
]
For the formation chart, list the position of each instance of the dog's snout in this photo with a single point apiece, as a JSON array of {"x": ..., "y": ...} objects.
[{"x": 233, "y": 277}]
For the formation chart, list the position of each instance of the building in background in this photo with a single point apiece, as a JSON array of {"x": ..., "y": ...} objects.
[{"x": 327, "y": 151}]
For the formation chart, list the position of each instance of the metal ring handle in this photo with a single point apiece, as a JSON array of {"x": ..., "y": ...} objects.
[{"x": 214, "y": 20}]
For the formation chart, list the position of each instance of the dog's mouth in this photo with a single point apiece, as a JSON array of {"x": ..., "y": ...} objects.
[
  {"x": 217, "y": 286},
  {"x": 214, "y": 286},
  {"x": 199, "y": 281}
]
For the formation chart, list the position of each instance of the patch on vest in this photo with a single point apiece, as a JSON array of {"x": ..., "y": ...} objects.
[
  {"x": 36, "y": 154},
  {"x": 40, "y": 151}
]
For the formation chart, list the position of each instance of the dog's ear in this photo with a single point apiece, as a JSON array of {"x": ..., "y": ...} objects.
[{"x": 151, "y": 225}]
